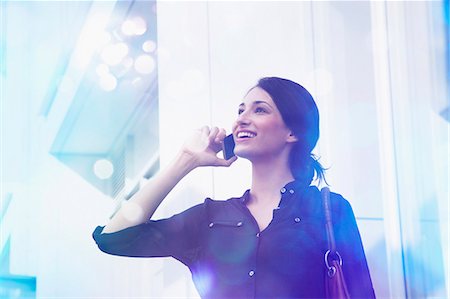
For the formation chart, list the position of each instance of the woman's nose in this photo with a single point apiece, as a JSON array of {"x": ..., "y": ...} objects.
[{"x": 242, "y": 119}]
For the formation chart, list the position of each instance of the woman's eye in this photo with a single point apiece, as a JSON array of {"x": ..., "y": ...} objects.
[
  {"x": 240, "y": 111},
  {"x": 260, "y": 110}
]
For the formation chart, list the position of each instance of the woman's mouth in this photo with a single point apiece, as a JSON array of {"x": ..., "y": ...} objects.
[{"x": 245, "y": 135}]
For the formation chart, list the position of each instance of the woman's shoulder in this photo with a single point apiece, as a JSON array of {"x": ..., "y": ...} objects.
[
  {"x": 340, "y": 206},
  {"x": 337, "y": 201}
]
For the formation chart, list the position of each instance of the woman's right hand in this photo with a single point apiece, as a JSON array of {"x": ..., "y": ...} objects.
[{"x": 203, "y": 145}]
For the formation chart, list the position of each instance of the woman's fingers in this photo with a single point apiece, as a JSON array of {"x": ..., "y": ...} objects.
[
  {"x": 217, "y": 135},
  {"x": 225, "y": 163},
  {"x": 213, "y": 133},
  {"x": 220, "y": 136},
  {"x": 205, "y": 130},
  {"x": 215, "y": 138},
  {"x": 204, "y": 145}
]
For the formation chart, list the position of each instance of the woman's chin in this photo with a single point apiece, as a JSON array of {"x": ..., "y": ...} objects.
[
  {"x": 240, "y": 153},
  {"x": 245, "y": 154}
]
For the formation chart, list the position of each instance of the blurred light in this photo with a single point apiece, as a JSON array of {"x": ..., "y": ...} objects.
[
  {"x": 114, "y": 53},
  {"x": 204, "y": 280},
  {"x": 128, "y": 27},
  {"x": 103, "y": 38},
  {"x": 102, "y": 69},
  {"x": 127, "y": 62},
  {"x": 103, "y": 169},
  {"x": 132, "y": 211},
  {"x": 144, "y": 64},
  {"x": 97, "y": 20},
  {"x": 149, "y": 46},
  {"x": 135, "y": 26},
  {"x": 108, "y": 82},
  {"x": 140, "y": 26},
  {"x": 91, "y": 38},
  {"x": 137, "y": 81}
]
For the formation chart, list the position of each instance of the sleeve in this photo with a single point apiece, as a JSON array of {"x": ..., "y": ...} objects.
[
  {"x": 178, "y": 236},
  {"x": 350, "y": 247}
]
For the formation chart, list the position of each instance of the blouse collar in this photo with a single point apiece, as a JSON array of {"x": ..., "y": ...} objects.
[{"x": 291, "y": 188}]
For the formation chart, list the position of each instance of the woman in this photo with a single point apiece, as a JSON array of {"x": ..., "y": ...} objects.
[{"x": 268, "y": 243}]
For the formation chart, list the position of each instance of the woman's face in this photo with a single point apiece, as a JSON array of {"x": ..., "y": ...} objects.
[{"x": 259, "y": 130}]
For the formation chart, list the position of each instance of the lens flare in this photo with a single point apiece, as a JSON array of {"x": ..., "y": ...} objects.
[
  {"x": 103, "y": 169},
  {"x": 144, "y": 64}
]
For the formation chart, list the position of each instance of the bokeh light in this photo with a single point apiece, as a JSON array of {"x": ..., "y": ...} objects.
[
  {"x": 127, "y": 62},
  {"x": 140, "y": 26},
  {"x": 113, "y": 54},
  {"x": 132, "y": 211},
  {"x": 149, "y": 46},
  {"x": 108, "y": 82},
  {"x": 103, "y": 169},
  {"x": 102, "y": 69},
  {"x": 128, "y": 27},
  {"x": 137, "y": 82},
  {"x": 144, "y": 64},
  {"x": 103, "y": 38},
  {"x": 91, "y": 38},
  {"x": 134, "y": 26}
]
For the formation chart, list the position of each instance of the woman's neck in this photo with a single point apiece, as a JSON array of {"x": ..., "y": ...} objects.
[{"x": 268, "y": 177}]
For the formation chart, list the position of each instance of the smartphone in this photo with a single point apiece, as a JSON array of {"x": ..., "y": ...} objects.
[{"x": 228, "y": 147}]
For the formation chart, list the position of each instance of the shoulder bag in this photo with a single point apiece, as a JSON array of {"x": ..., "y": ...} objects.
[{"x": 335, "y": 286}]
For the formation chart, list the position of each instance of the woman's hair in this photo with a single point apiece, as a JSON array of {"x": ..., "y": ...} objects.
[{"x": 300, "y": 114}]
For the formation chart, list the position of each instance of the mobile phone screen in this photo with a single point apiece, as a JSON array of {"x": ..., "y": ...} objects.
[{"x": 228, "y": 147}]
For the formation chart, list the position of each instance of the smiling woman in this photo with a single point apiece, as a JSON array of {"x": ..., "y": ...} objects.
[
  {"x": 259, "y": 129},
  {"x": 271, "y": 241}
]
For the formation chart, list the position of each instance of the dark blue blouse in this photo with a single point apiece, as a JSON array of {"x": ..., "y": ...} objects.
[{"x": 229, "y": 257}]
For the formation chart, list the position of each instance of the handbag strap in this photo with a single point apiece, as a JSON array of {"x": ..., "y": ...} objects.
[
  {"x": 325, "y": 192},
  {"x": 331, "y": 254}
]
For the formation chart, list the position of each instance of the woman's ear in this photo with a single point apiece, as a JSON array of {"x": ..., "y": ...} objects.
[{"x": 292, "y": 138}]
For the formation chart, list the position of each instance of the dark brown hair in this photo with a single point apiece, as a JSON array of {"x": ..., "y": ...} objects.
[{"x": 300, "y": 114}]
